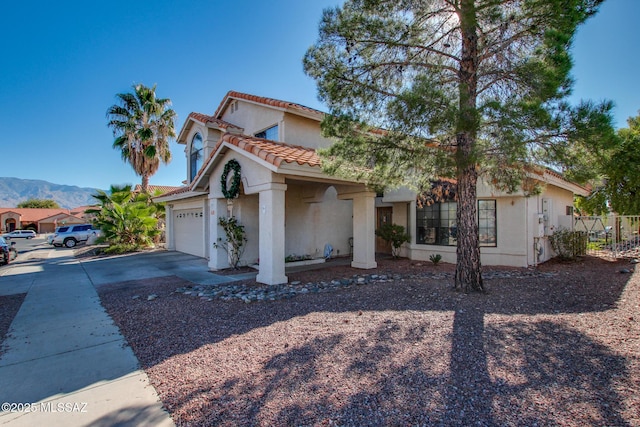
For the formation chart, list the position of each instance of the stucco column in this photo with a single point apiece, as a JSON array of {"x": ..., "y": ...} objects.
[
  {"x": 271, "y": 212},
  {"x": 168, "y": 228},
  {"x": 218, "y": 259},
  {"x": 364, "y": 229}
]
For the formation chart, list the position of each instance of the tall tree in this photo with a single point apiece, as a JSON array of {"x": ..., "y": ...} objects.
[
  {"x": 39, "y": 203},
  {"x": 142, "y": 125},
  {"x": 462, "y": 89},
  {"x": 622, "y": 171}
]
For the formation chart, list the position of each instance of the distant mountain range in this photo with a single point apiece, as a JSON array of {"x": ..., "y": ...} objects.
[{"x": 16, "y": 190}]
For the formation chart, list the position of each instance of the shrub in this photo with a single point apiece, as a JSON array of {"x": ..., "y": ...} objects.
[
  {"x": 435, "y": 258},
  {"x": 128, "y": 220},
  {"x": 395, "y": 235},
  {"x": 235, "y": 244},
  {"x": 569, "y": 245}
]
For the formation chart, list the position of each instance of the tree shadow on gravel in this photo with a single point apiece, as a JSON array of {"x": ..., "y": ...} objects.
[{"x": 366, "y": 355}]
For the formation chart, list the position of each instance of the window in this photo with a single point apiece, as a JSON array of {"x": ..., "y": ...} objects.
[
  {"x": 487, "y": 231},
  {"x": 195, "y": 159},
  {"x": 436, "y": 224},
  {"x": 271, "y": 133}
]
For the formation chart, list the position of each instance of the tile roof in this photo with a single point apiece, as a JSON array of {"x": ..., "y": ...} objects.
[
  {"x": 203, "y": 118},
  {"x": 266, "y": 101},
  {"x": 34, "y": 214},
  {"x": 270, "y": 151},
  {"x": 163, "y": 189},
  {"x": 273, "y": 152},
  {"x": 178, "y": 190}
]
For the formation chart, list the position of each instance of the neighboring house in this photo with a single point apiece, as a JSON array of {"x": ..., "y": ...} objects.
[
  {"x": 40, "y": 220},
  {"x": 288, "y": 206}
]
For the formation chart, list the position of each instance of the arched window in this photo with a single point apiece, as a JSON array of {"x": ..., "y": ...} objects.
[{"x": 195, "y": 158}]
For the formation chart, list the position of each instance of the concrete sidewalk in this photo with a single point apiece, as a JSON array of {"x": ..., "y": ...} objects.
[{"x": 66, "y": 363}]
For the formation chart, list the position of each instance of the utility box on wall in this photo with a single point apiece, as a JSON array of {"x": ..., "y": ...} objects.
[
  {"x": 538, "y": 225},
  {"x": 547, "y": 211}
]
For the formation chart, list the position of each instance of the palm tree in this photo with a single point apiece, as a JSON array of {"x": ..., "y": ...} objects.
[
  {"x": 128, "y": 220},
  {"x": 142, "y": 126}
]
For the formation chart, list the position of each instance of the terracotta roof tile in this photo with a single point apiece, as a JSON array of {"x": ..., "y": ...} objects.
[
  {"x": 163, "y": 189},
  {"x": 203, "y": 118},
  {"x": 274, "y": 152},
  {"x": 177, "y": 190},
  {"x": 34, "y": 214},
  {"x": 262, "y": 100}
]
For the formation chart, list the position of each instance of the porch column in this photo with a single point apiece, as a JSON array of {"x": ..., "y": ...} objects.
[
  {"x": 364, "y": 229},
  {"x": 271, "y": 226},
  {"x": 218, "y": 259},
  {"x": 168, "y": 229}
]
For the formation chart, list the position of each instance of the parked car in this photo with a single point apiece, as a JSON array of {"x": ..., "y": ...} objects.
[
  {"x": 71, "y": 235},
  {"x": 20, "y": 234},
  {"x": 8, "y": 252}
]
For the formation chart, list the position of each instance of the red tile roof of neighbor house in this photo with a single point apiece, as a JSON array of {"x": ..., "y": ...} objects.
[
  {"x": 35, "y": 215},
  {"x": 262, "y": 100},
  {"x": 178, "y": 190},
  {"x": 163, "y": 189}
]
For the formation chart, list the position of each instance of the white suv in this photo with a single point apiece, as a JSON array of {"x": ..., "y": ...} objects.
[{"x": 71, "y": 235}]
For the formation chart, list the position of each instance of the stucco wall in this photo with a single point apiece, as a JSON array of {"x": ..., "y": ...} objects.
[
  {"x": 252, "y": 117},
  {"x": 310, "y": 226},
  {"x": 517, "y": 225},
  {"x": 556, "y": 217},
  {"x": 302, "y": 131}
]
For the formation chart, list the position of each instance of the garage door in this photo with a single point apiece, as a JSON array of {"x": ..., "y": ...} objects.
[{"x": 188, "y": 226}]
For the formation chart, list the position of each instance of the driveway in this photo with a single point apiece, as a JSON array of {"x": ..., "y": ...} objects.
[{"x": 65, "y": 362}]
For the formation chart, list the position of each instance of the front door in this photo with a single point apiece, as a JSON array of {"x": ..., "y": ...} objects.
[{"x": 383, "y": 216}]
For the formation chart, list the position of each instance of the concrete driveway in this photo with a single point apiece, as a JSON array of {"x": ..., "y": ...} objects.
[{"x": 65, "y": 362}]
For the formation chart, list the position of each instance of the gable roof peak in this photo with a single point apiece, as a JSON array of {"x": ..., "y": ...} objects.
[{"x": 291, "y": 107}]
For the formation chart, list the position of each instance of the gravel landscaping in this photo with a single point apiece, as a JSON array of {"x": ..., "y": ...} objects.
[{"x": 554, "y": 346}]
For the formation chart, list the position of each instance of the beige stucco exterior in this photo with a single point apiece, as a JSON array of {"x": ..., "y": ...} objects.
[{"x": 288, "y": 206}]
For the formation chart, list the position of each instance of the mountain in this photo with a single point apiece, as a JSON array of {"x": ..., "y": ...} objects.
[{"x": 16, "y": 190}]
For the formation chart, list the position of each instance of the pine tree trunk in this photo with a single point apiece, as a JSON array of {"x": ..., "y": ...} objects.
[{"x": 468, "y": 268}]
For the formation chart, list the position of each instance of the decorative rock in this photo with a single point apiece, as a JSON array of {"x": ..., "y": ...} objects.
[
  {"x": 625, "y": 271},
  {"x": 248, "y": 294},
  {"x": 152, "y": 297}
]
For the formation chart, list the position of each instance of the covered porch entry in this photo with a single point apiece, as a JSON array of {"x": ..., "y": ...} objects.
[{"x": 291, "y": 211}]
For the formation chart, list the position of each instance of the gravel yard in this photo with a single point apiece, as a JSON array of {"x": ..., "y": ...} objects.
[{"x": 558, "y": 346}]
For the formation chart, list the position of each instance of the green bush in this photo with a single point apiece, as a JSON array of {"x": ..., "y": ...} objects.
[
  {"x": 569, "y": 245},
  {"x": 128, "y": 220},
  {"x": 235, "y": 244},
  {"x": 395, "y": 235}
]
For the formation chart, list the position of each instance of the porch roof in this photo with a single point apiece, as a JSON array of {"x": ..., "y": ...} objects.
[{"x": 273, "y": 153}]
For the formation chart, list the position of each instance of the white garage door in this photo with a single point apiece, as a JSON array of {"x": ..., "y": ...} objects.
[{"x": 188, "y": 226}]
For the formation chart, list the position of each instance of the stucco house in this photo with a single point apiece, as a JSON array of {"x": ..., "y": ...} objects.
[
  {"x": 40, "y": 220},
  {"x": 288, "y": 206}
]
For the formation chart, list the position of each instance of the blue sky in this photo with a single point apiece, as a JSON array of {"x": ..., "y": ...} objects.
[{"x": 61, "y": 64}]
